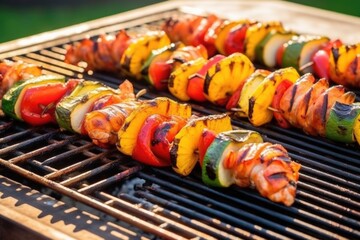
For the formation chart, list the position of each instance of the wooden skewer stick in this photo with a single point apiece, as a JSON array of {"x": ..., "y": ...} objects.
[
  {"x": 306, "y": 65},
  {"x": 270, "y": 108},
  {"x": 274, "y": 109},
  {"x": 140, "y": 93}
]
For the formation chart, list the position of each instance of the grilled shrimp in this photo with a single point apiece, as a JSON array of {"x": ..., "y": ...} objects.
[
  {"x": 269, "y": 169},
  {"x": 12, "y": 72},
  {"x": 103, "y": 53},
  {"x": 103, "y": 125}
]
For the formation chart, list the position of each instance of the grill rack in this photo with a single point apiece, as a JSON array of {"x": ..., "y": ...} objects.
[{"x": 327, "y": 204}]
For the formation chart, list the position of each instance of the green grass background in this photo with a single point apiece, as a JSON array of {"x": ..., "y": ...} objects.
[{"x": 21, "y": 18}]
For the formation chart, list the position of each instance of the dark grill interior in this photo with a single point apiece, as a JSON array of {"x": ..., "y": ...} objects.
[{"x": 159, "y": 203}]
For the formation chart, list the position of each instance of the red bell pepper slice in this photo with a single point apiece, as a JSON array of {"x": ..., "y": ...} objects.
[
  {"x": 207, "y": 137},
  {"x": 200, "y": 32},
  {"x": 195, "y": 87},
  {"x": 159, "y": 73},
  {"x": 235, "y": 39},
  {"x": 234, "y": 99},
  {"x": 143, "y": 151},
  {"x": 164, "y": 136},
  {"x": 279, "y": 92},
  {"x": 211, "y": 35},
  {"x": 320, "y": 59},
  {"x": 38, "y": 103}
]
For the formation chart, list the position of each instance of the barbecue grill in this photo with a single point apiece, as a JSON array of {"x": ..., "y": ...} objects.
[{"x": 58, "y": 185}]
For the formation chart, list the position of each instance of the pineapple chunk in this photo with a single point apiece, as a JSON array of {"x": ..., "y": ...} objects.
[
  {"x": 129, "y": 131},
  {"x": 140, "y": 49},
  {"x": 256, "y": 33},
  {"x": 249, "y": 87},
  {"x": 225, "y": 77},
  {"x": 184, "y": 151},
  {"x": 345, "y": 65},
  {"x": 179, "y": 78},
  {"x": 261, "y": 98}
]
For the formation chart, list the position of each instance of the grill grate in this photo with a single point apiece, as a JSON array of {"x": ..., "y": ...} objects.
[{"x": 158, "y": 201}]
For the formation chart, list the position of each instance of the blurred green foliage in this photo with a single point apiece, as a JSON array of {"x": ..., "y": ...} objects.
[
  {"x": 350, "y": 7},
  {"x": 20, "y": 18}
]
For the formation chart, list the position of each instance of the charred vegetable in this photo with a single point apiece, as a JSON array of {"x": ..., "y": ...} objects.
[{"x": 184, "y": 152}]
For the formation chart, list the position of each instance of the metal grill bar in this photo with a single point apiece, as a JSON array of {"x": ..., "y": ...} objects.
[
  {"x": 92, "y": 202},
  {"x": 214, "y": 221},
  {"x": 66, "y": 154},
  {"x": 14, "y": 136},
  {"x": 158, "y": 219},
  {"x": 26, "y": 144},
  {"x": 74, "y": 180},
  {"x": 76, "y": 166},
  {"x": 216, "y": 228},
  {"x": 106, "y": 182},
  {"x": 244, "y": 204},
  {"x": 41, "y": 150}
]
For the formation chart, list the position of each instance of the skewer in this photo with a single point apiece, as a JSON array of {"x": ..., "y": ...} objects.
[
  {"x": 269, "y": 108},
  {"x": 140, "y": 93},
  {"x": 306, "y": 65},
  {"x": 274, "y": 109}
]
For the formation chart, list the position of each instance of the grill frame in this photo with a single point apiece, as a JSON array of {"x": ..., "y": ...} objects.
[{"x": 319, "y": 158}]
